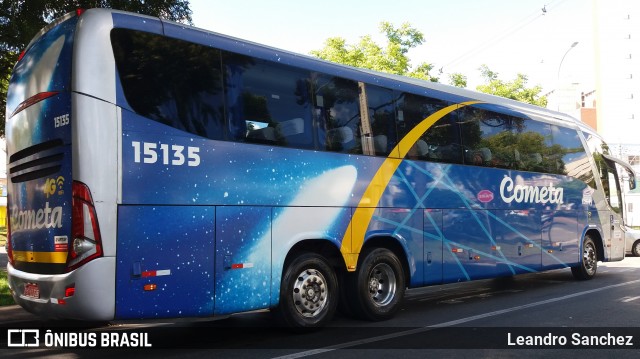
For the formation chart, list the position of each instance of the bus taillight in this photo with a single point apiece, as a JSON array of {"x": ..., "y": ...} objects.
[
  {"x": 33, "y": 100},
  {"x": 86, "y": 242}
]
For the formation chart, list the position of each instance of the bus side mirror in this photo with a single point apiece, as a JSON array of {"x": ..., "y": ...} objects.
[{"x": 632, "y": 179}]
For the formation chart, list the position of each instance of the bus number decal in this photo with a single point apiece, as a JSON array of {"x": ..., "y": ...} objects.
[
  {"x": 60, "y": 121},
  {"x": 150, "y": 152}
]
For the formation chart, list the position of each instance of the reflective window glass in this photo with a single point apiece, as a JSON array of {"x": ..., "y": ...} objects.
[
  {"x": 441, "y": 141},
  {"x": 381, "y": 119},
  {"x": 267, "y": 103},
  {"x": 494, "y": 139},
  {"x": 569, "y": 156},
  {"x": 337, "y": 110},
  {"x": 171, "y": 81}
]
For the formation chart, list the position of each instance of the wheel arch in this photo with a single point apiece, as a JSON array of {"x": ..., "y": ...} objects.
[
  {"x": 597, "y": 239},
  {"x": 323, "y": 247}
]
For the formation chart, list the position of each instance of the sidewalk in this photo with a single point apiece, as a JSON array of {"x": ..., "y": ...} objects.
[{"x": 3, "y": 258}]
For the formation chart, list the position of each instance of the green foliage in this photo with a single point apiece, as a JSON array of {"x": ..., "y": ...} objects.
[
  {"x": 7, "y": 59},
  {"x": 5, "y": 294},
  {"x": 515, "y": 89},
  {"x": 20, "y": 20},
  {"x": 458, "y": 80},
  {"x": 391, "y": 58}
]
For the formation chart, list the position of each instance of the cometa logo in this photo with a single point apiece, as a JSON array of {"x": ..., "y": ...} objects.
[
  {"x": 530, "y": 194},
  {"x": 46, "y": 217}
]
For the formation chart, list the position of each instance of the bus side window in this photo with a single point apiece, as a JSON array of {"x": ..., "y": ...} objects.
[
  {"x": 569, "y": 155},
  {"x": 337, "y": 111},
  {"x": 534, "y": 144},
  {"x": 513, "y": 142},
  {"x": 381, "y": 111},
  {"x": 171, "y": 81},
  {"x": 267, "y": 103},
  {"x": 441, "y": 142}
]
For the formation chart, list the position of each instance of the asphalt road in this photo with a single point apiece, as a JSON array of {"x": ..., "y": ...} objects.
[{"x": 480, "y": 317}]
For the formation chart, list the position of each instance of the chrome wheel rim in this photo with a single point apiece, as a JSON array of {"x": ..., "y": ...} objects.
[
  {"x": 589, "y": 258},
  {"x": 310, "y": 293},
  {"x": 382, "y": 284}
]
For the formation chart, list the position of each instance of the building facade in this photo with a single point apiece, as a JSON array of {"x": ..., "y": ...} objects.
[
  {"x": 612, "y": 105},
  {"x": 617, "y": 55}
]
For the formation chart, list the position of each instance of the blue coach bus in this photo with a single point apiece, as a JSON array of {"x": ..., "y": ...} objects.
[{"x": 158, "y": 170}]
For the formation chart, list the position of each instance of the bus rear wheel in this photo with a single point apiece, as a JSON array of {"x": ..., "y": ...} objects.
[
  {"x": 378, "y": 286},
  {"x": 589, "y": 262},
  {"x": 308, "y": 293}
]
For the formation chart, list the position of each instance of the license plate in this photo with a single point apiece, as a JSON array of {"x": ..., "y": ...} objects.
[{"x": 32, "y": 290}]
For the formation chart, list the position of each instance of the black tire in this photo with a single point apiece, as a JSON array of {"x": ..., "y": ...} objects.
[
  {"x": 308, "y": 293},
  {"x": 635, "y": 249},
  {"x": 378, "y": 285},
  {"x": 588, "y": 261}
]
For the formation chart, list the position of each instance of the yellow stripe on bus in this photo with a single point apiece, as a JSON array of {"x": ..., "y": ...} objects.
[
  {"x": 354, "y": 236},
  {"x": 40, "y": 257}
]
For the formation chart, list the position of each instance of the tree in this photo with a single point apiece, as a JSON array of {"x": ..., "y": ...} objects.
[
  {"x": 20, "y": 20},
  {"x": 392, "y": 58},
  {"x": 458, "y": 80},
  {"x": 515, "y": 89}
]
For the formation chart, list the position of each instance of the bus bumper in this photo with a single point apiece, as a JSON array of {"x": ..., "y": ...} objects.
[{"x": 48, "y": 296}]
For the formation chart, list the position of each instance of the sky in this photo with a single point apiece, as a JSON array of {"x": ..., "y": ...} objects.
[{"x": 509, "y": 36}]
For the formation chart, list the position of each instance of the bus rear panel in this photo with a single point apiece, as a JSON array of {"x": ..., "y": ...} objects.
[{"x": 53, "y": 225}]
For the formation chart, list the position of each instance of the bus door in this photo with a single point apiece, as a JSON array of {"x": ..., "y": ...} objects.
[
  {"x": 518, "y": 242},
  {"x": 560, "y": 236}
]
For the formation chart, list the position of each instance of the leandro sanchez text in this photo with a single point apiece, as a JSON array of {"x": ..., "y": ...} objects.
[{"x": 574, "y": 340}]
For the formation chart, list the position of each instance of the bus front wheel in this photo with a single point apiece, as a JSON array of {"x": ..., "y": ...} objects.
[
  {"x": 635, "y": 250},
  {"x": 589, "y": 262},
  {"x": 308, "y": 293},
  {"x": 378, "y": 285}
]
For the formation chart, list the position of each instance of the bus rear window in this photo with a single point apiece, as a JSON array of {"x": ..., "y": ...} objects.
[{"x": 171, "y": 81}]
